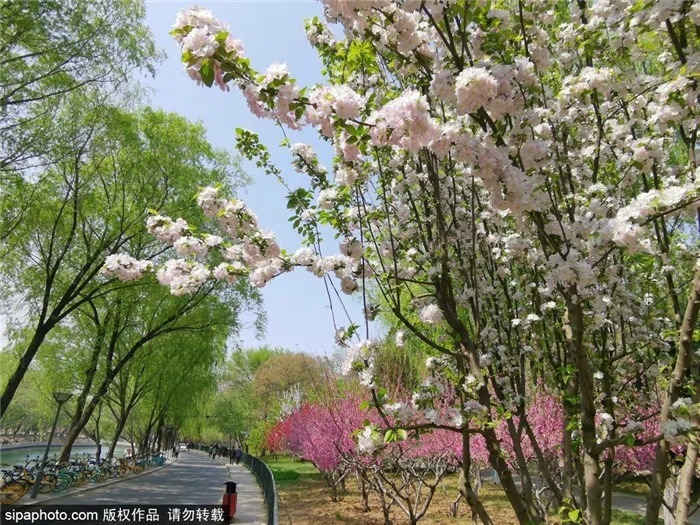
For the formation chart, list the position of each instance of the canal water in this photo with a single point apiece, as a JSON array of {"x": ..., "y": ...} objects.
[{"x": 17, "y": 456}]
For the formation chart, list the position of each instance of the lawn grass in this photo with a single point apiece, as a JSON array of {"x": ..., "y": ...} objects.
[
  {"x": 634, "y": 487},
  {"x": 620, "y": 517},
  {"x": 289, "y": 470}
]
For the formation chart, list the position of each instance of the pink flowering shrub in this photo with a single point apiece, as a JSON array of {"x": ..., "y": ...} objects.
[
  {"x": 323, "y": 433},
  {"x": 545, "y": 415}
]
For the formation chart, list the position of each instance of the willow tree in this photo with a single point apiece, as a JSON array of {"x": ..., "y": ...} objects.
[
  {"x": 182, "y": 376},
  {"x": 92, "y": 201},
  {"x": 52, "y": 48}
]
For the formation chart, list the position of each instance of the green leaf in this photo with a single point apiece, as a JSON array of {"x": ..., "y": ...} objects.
[
  {"x": 207, "y": 72},
  {"x": 574, "y": 514}
]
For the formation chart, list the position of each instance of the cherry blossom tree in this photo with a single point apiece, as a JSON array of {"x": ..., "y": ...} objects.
[{"x": 517, "y": 185}]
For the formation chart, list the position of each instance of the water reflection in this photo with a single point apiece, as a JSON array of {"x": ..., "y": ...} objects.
[{"x": 19, "y": 455}]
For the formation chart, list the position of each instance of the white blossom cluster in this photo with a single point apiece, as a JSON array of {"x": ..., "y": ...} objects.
[
  {"x": 369, "y": 440},
  {"x": 538, "y": 178},
  {"x": 125, "y": 268},
  {"x": 201, "y": 36}
]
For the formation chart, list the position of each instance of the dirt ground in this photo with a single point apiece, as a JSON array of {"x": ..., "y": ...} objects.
[{"x": 308, "y": 502}]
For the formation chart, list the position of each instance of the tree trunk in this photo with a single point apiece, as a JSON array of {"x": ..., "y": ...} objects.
[
  {"x": 464, "y": 484},
  {"x": 117, "y": 434},
  {"x": 365, "y": 493},
  {"x": 525, "y": 479},
  {"x": 670, "y": 498},
  {"x": 524, "y": 511},
  {"x": 23, "y": 365},
  {"x": 144, "y": 440},
  {"x": 159, "y": 437},
  {"x": 72, "y": 435},
  {"x": 609, "y": 460},
  {"x": 554, "y": 488},
  {"x": 683, "y": 362},
  {"x": 78, "y": 426},
  {"x": 568, "y": 470},
  {"x": 573, "y": 331},
  {"x": 685, "y": 483},
  {"x": 387, "y": 516},
  {"x": 97, "y": 438},
  {"x": 607, "y": 487},
  {"x": 79, "y": 420},
  {"x": 386, "y": 505}
]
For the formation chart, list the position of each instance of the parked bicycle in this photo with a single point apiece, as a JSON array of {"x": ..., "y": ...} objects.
[{"x": 58, "y": 476}]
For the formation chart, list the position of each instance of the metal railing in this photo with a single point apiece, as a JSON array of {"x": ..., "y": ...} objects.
[{"x": 267, "y": 482}]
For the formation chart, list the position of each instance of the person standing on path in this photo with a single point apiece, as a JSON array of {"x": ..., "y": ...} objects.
[{"x": 239, "y": 453}]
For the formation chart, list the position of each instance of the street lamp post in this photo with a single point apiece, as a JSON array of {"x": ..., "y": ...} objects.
[{"x": 60, "y": 397}]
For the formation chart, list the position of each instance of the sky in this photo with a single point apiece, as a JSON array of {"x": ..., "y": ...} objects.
[{"x": 296, "y": 303}]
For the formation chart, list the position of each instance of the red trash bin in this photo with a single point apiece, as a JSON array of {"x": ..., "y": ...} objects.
[{"x": 230, "y": 500}]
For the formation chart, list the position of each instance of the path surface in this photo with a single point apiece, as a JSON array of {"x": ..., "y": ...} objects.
[
  {"x": 638, "y": 505},
  {"x": 620, "y": 501},
  {"x": 193, "y": 479}
]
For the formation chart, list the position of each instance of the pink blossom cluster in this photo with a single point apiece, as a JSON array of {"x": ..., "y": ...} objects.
[
  {"x": 273, "y": 96},
  {"x": 431, "y": 314},
  {"x": 323, "y": 433},
  {"x": 165, "y": 229},
  {"x": 404, "y": 121},
  {"x": 327, "y": 101},
  {"x": 182, "y": 276},
  {"x": 318, "y": 33},
  {"x": 331, "y": 433},
  {"x": 345, "y": 266},
  {"x": 545, "y": 415},
  {"x": 334, "y": 434},
  {"x": 474, "y": 88},
  {"x": 253, "y": 251}
]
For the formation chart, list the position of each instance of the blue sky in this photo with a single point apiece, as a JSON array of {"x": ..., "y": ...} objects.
[{"x": 296, "y": 303}]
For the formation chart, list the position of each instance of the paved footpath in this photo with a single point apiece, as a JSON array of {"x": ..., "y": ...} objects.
[
  {"x": 193, "y": 479},
  {"x": 638, "y": 505}
]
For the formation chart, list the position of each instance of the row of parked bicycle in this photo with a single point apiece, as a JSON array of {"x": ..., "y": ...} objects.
[{"x": 18, "y": 480}]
